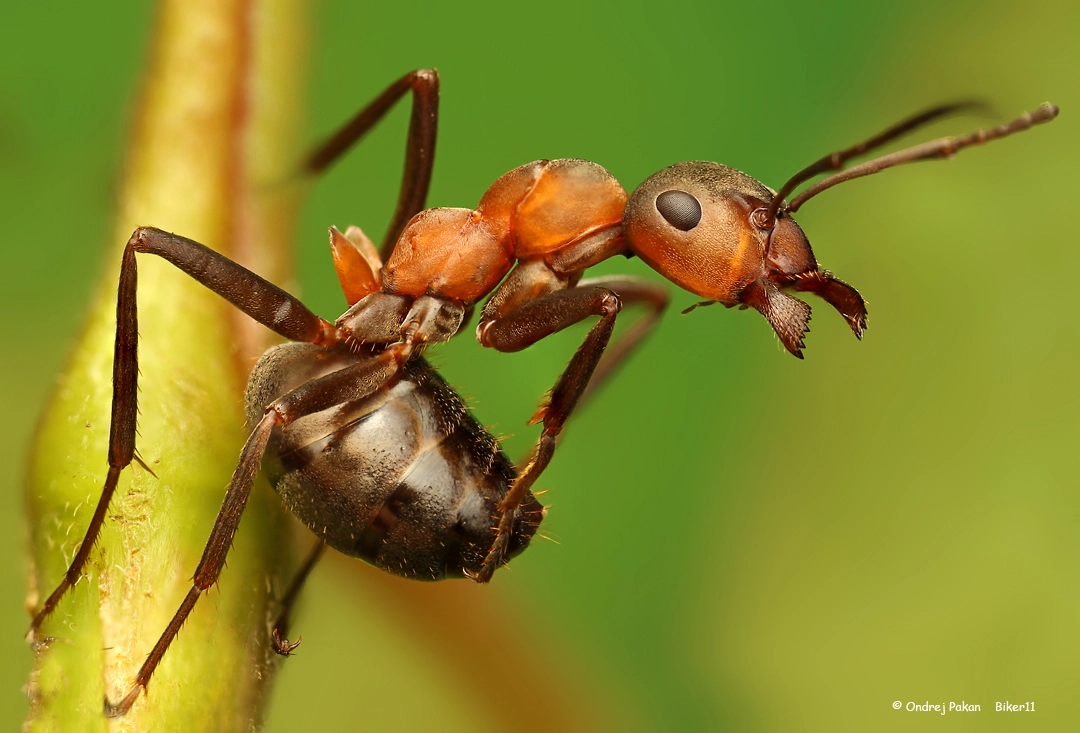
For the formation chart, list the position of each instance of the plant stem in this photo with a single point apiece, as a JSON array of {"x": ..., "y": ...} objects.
[{"x": 207, "y": 157}]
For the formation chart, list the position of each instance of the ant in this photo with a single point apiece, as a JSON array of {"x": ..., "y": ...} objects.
[{"x": 363, "y": 440}]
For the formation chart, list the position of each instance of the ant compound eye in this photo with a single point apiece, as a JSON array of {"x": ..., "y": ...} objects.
[{"x": 681, "y": 210}]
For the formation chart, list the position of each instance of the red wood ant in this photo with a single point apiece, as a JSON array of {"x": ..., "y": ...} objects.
[{"x": 362, "y": 439}]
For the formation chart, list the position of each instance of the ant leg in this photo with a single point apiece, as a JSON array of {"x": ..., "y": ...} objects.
[
  {"x": 531, "y": 321},
  {"x": 213, "y": 558},
  {"x": 353, "y": 382},
  {"x": 124, "y": 440},
  {"x": 419, "y": 150},
  {"x": 280, "y": 632},
  {"x": 263, "y": 301},
  {"x": 631, "y": 290}
]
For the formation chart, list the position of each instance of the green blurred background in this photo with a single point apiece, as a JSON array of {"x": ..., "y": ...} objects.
[{"x": 745, "y": 541}]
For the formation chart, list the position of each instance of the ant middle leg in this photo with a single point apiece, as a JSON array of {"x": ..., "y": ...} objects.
[{"x": 532, "y": 320}]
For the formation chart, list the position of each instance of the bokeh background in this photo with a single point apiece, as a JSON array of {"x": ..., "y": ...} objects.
[{"x": 745, "y": 541}]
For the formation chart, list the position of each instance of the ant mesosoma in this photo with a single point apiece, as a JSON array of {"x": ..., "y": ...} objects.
[{"x": 364, "y": 441}]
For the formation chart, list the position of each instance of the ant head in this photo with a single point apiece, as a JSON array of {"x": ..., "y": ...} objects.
[
  {"x": 725, "y": 237},
  {"x": 706, "y": 228},
  {"x": 701, "y": 225}
]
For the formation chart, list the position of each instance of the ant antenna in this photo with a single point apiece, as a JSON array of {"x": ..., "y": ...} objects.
[
  {"x": 835, "y": 161},
  {"x": 942, "y": 148}
]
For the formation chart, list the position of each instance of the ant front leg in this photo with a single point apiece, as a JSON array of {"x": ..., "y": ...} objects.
[{"x": 525, "y": 323}]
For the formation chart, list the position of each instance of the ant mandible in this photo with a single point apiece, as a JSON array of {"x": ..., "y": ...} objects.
[{"x": 710, "y": 229}]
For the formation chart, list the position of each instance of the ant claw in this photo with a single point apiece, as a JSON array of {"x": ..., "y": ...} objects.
[
  {"x": 121, "y": 708},
  {"x": 495, "y": 558},
  {"x": 283, "y": 646}
]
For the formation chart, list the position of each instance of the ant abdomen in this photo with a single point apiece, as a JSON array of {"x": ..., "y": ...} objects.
[{"x": 405, "y": 479}]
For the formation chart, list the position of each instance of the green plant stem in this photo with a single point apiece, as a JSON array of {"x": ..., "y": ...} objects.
[{"x": 208, "y": 152}]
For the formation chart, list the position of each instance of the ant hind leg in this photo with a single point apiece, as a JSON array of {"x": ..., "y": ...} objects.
[{"x": 419, "y": 150}]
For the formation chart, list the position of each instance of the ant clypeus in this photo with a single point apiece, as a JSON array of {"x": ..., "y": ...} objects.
[{"x": 363, "y": 440}]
